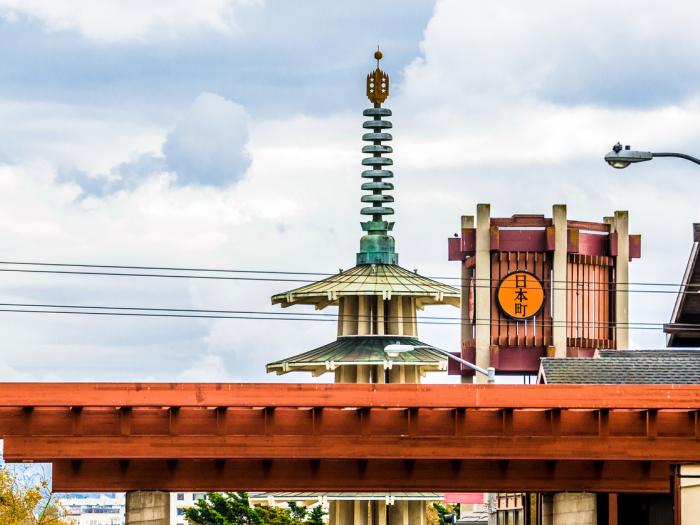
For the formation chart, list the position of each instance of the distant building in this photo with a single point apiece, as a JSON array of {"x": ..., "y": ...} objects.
[
  {"x": 179, "y": 501},
  {"x": 94, "y": 509}
]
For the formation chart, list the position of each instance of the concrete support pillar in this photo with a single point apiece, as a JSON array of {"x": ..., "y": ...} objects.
[
  {"x": 466, "y": 324},
  {"x": 346, "y": 374},
  {"x": 483, "y": 291},
  {"x": 350, "y": 311},
  {"x": 547, "y": 509},
  {"x": 379, "y": 513},
  {"x": 364, "y": 319},
  {"x": 416, "y": 512},
  {"x": 575, "y": 508},
  {"x": 342, "y": 513},
  {"x": 622, "y": 263},
  {"x": 690, "y": 494},
  {"x": 409, "y": 316},
  {"x": 363, "y": 374},
  {"x": 398, "y": 314},
  {"x": 398, "y": 514},
  {"x": 559, "y": 264},
  {"x": 147, "y": 508},
  {"x": 360, "y": 512},
  {"x": 381, "y": 321}
]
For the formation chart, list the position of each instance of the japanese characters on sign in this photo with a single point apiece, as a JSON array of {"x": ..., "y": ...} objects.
[{"x": 520, "y": 295}]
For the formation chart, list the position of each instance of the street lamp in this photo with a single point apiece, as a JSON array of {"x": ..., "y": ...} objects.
[
  {"x": 393, "y": 350},
  {"x": 621, "y": 157}
]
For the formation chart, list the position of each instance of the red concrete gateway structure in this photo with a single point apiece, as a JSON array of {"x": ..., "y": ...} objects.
[{"x": 534, "y": 287}]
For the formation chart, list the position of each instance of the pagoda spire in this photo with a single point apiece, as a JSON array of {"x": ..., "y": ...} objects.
[{"x": 377, "y": 246}]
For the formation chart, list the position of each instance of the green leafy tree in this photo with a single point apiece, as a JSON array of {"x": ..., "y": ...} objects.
[
  {"x": 441, "y": 510},
  {"x": 229, "y": 508},
  {"x": 316, "y": 516},
  {"x": 233, "y": 508},
  {"x": 296, "y": 511}
]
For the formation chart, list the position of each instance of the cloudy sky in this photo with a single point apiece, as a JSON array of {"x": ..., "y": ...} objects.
[{"x": 226, "y": 134}]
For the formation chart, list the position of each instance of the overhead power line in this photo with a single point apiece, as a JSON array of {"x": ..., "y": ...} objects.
[
  {"x": 606, "y": 287},
  {"x": 122, "y": 311},
  {"x": 235, "y": 271}
]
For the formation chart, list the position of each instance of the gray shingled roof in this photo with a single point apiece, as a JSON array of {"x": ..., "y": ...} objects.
[
  {"x": 665, "y": 353},
  {"x": 660, "y": 369}
]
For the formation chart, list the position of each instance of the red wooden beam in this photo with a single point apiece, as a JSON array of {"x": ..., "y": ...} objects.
[
  {"x": 364, "y": 475},
  {"x": 531, "y": 447},
  {"x": 33, "y": 395}
]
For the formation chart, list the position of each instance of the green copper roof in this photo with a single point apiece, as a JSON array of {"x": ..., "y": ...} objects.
[
  {"x": 387, "y": 280},
  {"x": 359, "y": 350}
]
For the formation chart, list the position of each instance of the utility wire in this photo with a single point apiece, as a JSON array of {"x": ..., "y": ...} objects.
[
  {"x": 173, "y": 313},
  {"x": 235, "y": 271},
  {"x": 312, "y": 315},
  {"x": 578, "y": 288}
]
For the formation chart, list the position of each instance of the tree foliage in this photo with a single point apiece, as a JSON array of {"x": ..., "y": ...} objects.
[
  {"x": 27, "y": 502},
  {"x": 437, "y": 511},
  {"x": 233, "y": 508}
]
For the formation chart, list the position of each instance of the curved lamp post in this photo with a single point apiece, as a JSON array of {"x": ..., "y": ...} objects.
[
  {"x": 394, "y": 350},
  {"x": 621, "y": 157}
]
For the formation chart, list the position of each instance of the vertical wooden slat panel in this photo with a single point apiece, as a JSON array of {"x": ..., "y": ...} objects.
[
  {"x": 529, "y": 332},
  {"x": 580, "y": 316},
  {"x": 547, "y": 274},
  {"x": 512, "y": 325},
  {"x": 571, "y": 297},
  {"x": 495, "y": 312},
  {"x": 538, "y": 270}
]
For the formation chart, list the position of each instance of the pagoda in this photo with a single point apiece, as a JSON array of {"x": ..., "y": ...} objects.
[
  {"x": 377, "y": 304},
  {"x": 377, "y": 299}
]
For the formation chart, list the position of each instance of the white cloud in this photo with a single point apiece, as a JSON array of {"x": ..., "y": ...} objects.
[
  {"x": 481, "y": 118},
  {"x": 208, "y": 368},
  {"x": 208, "y": 144},
  {"x": 78, "y": 137},
  {"x": 125, "y": 20},
  {"x": 581, "y": 51}
]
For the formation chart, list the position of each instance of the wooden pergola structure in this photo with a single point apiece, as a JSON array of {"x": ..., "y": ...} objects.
[{"x": 340, "y": 437}]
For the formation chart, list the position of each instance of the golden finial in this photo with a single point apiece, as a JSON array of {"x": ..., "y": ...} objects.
[{"x": 377, "y": 82}]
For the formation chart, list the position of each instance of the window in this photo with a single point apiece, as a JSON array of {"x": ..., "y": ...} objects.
[
  {"x": 180, "y": 512},
  {"x": 180, "y": 496}
]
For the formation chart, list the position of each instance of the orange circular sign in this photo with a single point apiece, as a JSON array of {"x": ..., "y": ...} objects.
[{"x": 520, "y": 295}]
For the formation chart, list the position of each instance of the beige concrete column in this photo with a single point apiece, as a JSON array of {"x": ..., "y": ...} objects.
[
  {"x": 381, "y": 322},
  {"x": 398, "y": 314},
  {"x": 364, "y": 319},
  {"x": 348, "y": 321},
  {"x": 574, "y": 508},
  {"x": 416, "y": 512},
  {"x": 622, "y": 263},
  {"x": 690, "y": 494},
  {"x": 147, "y": 508},
  {"x": 398, "y": 513},
  {"x": 360, "y": 512},
  {"x": 397, "y": 374},
  {"x": 482, "y": 296},
  {"x": 547, "y": 509},
  {"x": 344, "y": 513},
  {"x": 363, "y": 374},
  {"x": 559, "y": 264},
  {"x": 379, "y": 374},
  {"x": 466, "y": 324},
  {"x": 346, "y": 374},
  {"x": 379, "y": 509},
  {"x": 332, "y": 513},
  {"x": 409, "y": 316}
]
